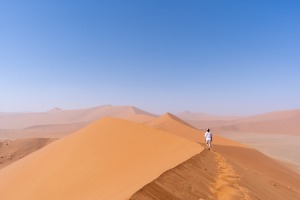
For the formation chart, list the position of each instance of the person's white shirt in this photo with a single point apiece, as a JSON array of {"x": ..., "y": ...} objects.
[{"x": 208, "y": 136}]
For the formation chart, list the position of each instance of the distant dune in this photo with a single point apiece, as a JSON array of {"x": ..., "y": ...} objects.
[
  {"x": 109, "y": 159},
  {"x": 58, "y": 123},
  {"x": 42, "y": 131},
  {"x": 59, "y": 116},
  {"x": 203, "y": 121},
  {"x": 172, "y": 124},
  {"x": 279, "y": 122}
]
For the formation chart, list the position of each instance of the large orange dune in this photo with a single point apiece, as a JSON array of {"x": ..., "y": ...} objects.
[{"x": 109, "y": 159}]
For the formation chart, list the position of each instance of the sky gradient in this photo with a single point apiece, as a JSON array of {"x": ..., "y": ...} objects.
[{"x": 220, "y": 57}]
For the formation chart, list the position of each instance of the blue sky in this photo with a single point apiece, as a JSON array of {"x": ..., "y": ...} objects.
[{"x": 221, "y": 57}]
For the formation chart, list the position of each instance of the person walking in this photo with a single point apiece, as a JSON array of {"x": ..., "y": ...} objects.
[{"x": 208, "y": 138}]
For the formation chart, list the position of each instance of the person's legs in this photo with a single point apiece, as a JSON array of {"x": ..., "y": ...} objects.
[{"x": 208, "y": 142}]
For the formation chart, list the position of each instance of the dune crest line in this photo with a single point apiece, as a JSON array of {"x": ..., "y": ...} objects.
[{"x": 227, "y": 181}]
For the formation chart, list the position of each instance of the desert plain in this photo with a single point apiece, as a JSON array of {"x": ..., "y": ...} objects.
[{"x": 123, "y": 152}]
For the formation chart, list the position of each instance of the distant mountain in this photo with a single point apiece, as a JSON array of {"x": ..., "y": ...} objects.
[{"x": 59, "y": 116}]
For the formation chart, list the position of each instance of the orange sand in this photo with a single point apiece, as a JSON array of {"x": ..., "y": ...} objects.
[{"x": 109, "y": 159}]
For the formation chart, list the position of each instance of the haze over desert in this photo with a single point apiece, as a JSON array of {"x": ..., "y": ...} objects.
[{"x": 150, "y": 100}]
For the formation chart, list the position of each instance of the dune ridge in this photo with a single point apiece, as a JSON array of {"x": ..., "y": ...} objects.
[
  {"x": 226, "y": 172},
  {"x": 172, "y": 124},
  {"x": 109, "y": 159},
  {"x": 229, "y": 171}
]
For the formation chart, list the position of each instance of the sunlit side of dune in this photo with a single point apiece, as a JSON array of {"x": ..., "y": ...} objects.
[{"x": 109, "y": 159}]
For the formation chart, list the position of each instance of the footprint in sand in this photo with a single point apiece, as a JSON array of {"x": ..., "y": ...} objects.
[{"x": 227, "y": 181}]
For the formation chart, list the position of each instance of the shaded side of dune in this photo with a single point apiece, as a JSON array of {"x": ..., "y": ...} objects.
[
  {"x": 263, "y": 177},
  {"x": 189, "y": 180},
  {"x": 249, "y": 175}
]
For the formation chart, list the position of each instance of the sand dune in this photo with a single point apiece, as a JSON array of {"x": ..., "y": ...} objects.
[
  {"x": 58, "y": 123},
  {"x": 227, "y": 172},
  {"x": 115, "y": 159},
  {"x": 12, "y": 151},
  {"x": 278, "y": 122},
  {"x": 230, "y": 171},
  {"x": 172, "y": 124},
  {"x": 59, "y": 116},
  {"x": 288, "y": 126},
  {"x": 109, "y": 159}
]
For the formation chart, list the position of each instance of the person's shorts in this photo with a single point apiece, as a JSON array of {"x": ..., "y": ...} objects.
[{"x": 208, "y": 141}]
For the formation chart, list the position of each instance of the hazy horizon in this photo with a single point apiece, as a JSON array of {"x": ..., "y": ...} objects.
[
  {"x": 216, "y": 57},
  {"x": 156, "y": 113}
]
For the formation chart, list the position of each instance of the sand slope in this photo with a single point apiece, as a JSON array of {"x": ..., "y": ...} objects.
[
  {"x": 227, "y": 173},
  {"x": 109, "y": 159},
  {"x": 230, "y": 171},
  {"x": 263, "y": 177}
]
